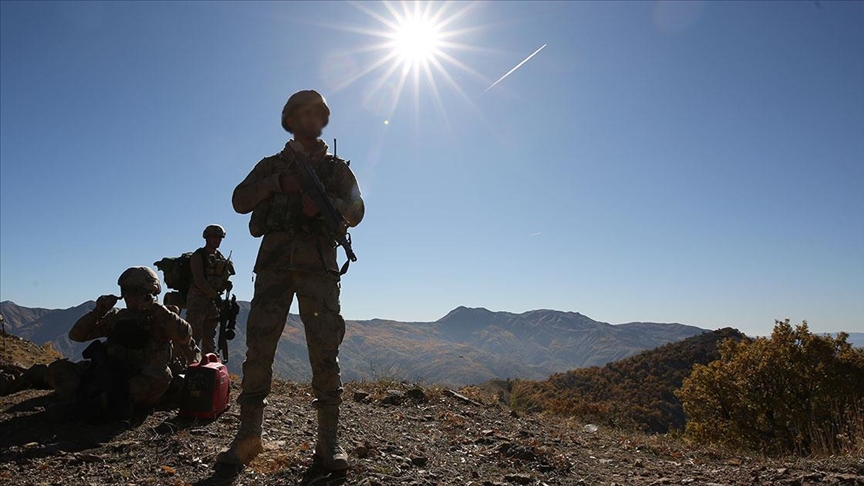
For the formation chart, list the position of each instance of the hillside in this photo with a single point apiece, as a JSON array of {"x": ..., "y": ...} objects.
[
  {"x": 636, "y": 391},
  {"x": 465, "y": 346},
  {"x": 19, "y": 352},
  {"x": 394, "y": 434}
]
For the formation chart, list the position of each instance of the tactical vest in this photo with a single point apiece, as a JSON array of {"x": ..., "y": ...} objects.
[
  {"x": 284, "y": 212},
  {"x": 217, "y": 269},
  {"x": 128, "y": 342}
]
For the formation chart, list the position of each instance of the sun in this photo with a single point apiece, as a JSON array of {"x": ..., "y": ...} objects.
[
  {"x": 416, "y": 40},
  {"x": 416, "y": 51}
]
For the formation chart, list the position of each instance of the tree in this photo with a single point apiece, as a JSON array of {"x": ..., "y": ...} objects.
[{"x": 792, "y": 392}]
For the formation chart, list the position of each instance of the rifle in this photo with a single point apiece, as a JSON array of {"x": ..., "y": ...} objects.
[
  {"x": 333, "y": 219},
  {"x": 227, "y": 324}
]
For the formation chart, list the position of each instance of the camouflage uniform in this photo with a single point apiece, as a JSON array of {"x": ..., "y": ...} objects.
[
  {"x": 297, "y": 258},
  {"x": 148, "y": 366},
  {"x": 210, "y": 272}
]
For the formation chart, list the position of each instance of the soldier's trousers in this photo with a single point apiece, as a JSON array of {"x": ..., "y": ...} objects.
[
  {"x": 318, "y": 297},
  {"x": 203, "y": 315}
]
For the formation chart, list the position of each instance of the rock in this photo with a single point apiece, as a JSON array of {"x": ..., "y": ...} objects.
[
  {"x": 416, "y": 394},
  {"x": 516, "y": 451},
  {"x": 6, "y": 380},
  {"x": 639, "y": 462},
  {"x": 362, "y": 452},
  {"x": 89, "y": 458},
  {"x": 360, "y": 395},
  {"x": 462, "y": 398},
  {"x": 514, "y": 414},
  {"x": 590, "y": 428},
  {"x": 846, "y": 478},
  {"x": 394, "y": 397},
  {"x": 35, "y": 375},
  {"x": 419, "y": 461},
  {"x": 812, "y": 477},
  {"x": 518, "y": 478},
  {"x": 63, "y": 376}
]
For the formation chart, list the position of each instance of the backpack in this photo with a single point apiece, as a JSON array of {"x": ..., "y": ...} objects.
[{"x": 177, "y": 272}]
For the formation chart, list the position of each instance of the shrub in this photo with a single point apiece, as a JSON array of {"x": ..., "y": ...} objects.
[{"x": 793, "y": 392}]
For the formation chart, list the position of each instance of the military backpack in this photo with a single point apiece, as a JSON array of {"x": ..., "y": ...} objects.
[{"x": 177, "y": 272}]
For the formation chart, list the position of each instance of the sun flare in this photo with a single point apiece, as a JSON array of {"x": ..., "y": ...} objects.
[
  {"x": 416, "y": 40},
  {"x": 416, "y": 52}
]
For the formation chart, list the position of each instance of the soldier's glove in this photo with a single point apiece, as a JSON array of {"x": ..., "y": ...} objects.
[
  {"x": 228, "y": 285},
  {"x": 105, "y": 303},
  {"x": 289, "y": 184},
  {"x": 309, "y": 207}
]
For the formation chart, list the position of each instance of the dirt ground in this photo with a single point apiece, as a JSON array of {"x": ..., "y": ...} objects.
[{"x": 396, "y": 434}]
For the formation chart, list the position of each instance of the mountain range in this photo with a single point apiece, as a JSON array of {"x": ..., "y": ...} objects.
[{"x": 468, "y": 345}]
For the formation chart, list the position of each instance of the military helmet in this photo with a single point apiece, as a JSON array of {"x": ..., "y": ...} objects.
[
  {"x": 300, "y": 98},
  {"x": 214, "y": 230},
  {"x": 141, "y": 278}
]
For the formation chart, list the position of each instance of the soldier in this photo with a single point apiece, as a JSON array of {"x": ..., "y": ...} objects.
[
  {"x": 210, "y": 274},
  {"x": 131, "y": 368},
  {"x": 297, "y": 256}
]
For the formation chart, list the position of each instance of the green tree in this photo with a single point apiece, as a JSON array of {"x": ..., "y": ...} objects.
[{"x": 792, "y": 392}]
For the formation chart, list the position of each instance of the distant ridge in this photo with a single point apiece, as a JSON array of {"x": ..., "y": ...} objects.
[{"x": 467, "y": 345}]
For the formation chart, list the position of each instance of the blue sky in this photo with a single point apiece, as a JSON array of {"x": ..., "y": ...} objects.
[{"x": 699, "y": 163}]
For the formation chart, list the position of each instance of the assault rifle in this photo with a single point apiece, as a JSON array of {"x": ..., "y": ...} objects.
[
  {"x": 227, "y": 323},
  {"x": 333, "y": 220}
]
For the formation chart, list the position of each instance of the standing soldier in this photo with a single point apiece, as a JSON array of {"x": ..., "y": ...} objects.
[
  {"x": 297, "y": 256},
  {"x": 210, "y": 274}
]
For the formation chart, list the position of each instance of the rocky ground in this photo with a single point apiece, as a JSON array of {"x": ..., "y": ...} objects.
[{"x": 396, "y": 434}]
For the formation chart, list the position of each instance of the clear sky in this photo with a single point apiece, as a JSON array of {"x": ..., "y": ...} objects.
[{"x": 700, "y": 163}]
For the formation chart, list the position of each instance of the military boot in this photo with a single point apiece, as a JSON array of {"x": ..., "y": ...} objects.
[
  {"x": 247, "y": 443},
  {"x": 327, "y": 450}
]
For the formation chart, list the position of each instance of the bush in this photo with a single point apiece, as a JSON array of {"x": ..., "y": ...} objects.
[{"x": 793, "y": 392}]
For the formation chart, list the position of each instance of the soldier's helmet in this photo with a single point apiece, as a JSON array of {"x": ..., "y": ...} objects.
[
  {"x": 301, "y": 98},
  {"x": 214, "y": 230},
  {"x": 140, "y": 278}
]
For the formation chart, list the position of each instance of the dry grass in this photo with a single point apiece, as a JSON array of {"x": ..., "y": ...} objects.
[{"x": 14, "y": 350}]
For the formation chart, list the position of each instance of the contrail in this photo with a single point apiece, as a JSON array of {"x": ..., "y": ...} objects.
[{"x": 511, "y": 71}]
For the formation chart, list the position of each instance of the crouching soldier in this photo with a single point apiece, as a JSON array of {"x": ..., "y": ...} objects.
[{"x": 130, "y": 369}]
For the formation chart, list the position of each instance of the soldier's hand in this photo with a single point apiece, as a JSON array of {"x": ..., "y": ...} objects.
[
  {"x": 229, "y": 286},
  {"x": 105, "y": 303},
  {"x": 309, "y": 207},
  {"x": 290, "y": 184}
]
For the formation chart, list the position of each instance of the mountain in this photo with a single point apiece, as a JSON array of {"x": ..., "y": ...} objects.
[
  {"x": 636, "y": 391},
  {"x": 468, "y": 345},
  {"x": 46, "y": 325}
]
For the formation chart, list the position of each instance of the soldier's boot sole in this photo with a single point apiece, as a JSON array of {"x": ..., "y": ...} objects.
[{"x": 241, "y": 452}]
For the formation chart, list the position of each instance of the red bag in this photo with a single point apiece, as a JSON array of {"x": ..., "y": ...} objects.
[{"x": 206, "y": 389}]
